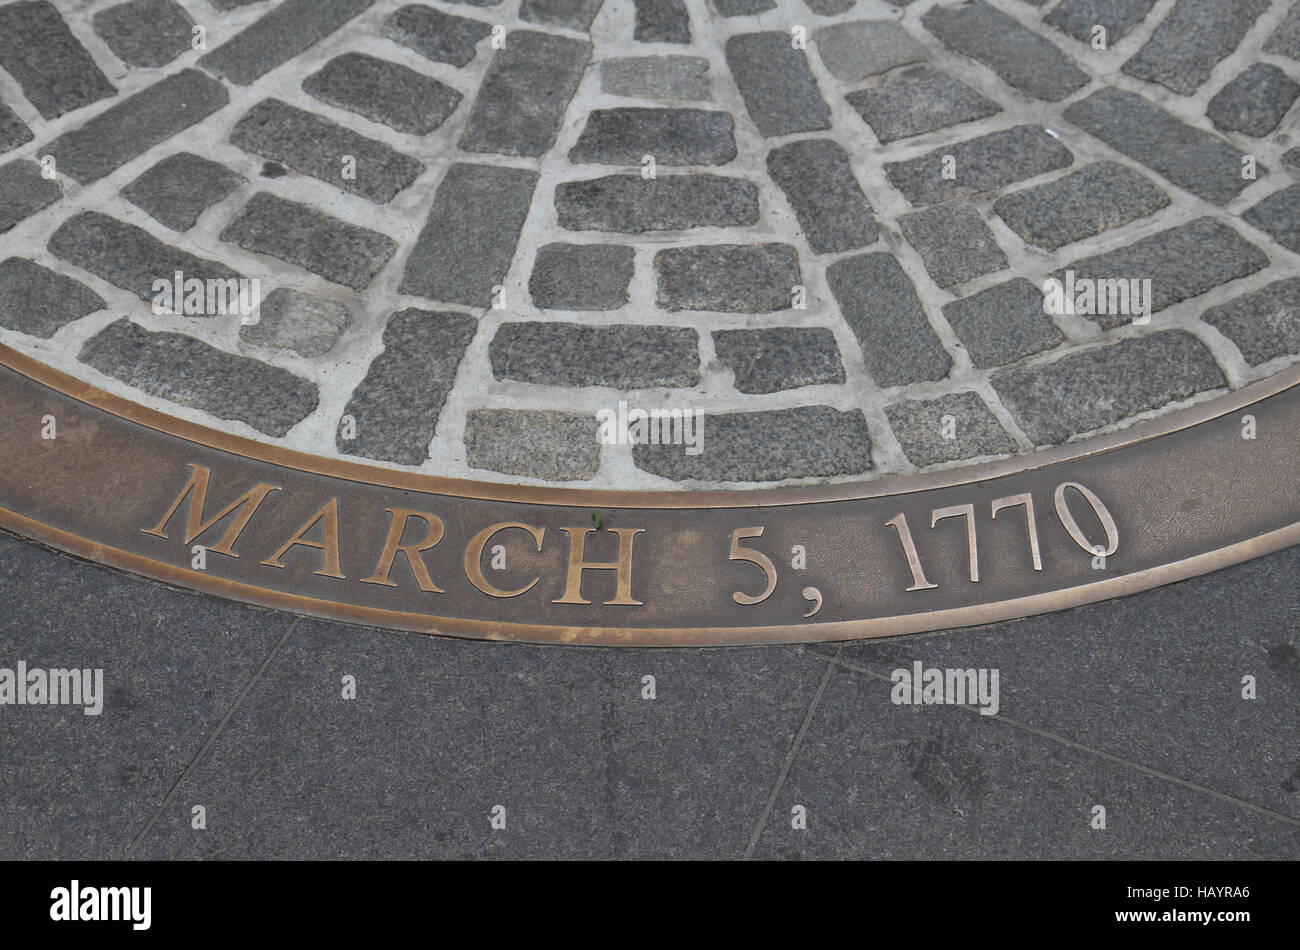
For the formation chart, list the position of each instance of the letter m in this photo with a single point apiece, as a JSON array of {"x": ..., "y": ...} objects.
[
  {"x": 117, "y": 903},
  {"x": 223, "y": 296},
  {"x": 1115, "y": 293},
  {"x": 196, "y": 489}
]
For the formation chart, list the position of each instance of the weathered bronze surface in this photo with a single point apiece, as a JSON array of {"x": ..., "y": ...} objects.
[{"x": 146, "y": 493}]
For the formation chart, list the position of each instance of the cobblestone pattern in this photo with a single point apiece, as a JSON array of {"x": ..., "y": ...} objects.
[{"x": 825, "y": 224}]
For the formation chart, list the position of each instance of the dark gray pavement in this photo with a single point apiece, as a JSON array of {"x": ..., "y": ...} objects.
[{"x": 1134, "y": 704}]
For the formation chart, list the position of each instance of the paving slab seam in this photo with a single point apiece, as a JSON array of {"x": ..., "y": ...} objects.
[
  {"x": 789, "y": 759},
  {"x": 198, "y": 756},
  {"x": 1100, "y": 753}
]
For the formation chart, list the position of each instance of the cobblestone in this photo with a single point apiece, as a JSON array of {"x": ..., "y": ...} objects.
[
  {"x": 667, "y": 203},
  {"x": 832, "y": 7},
  {"x": 555, "y": 446},
  {"x": 779, "y": 90},
  {"x": 1117, "y": 17},
  {"x": 861, "y": 48},
  {"x": 286, "y": 30},
  {"x": 661, "y": 21},
  {"x": 37, "y": 301},
  {"x": 581, "y": 276},
  {"x": 1194, "y": 160},
  {"x": 396, "y": 407},
  {"x": 23, "y": 192},
  {"x": 1080, "y": 205},
  {"x": 572, "y": 14},
  {"x": 780, "y": 358},
  {"x": 917, "y": 101},
  {"x": 148, "y": 33},
  {"x": 743, "y": 7},
  {"x": 1194, "y": 37},
  {"x": 807, "y": 442},
  {"x": 435, "y": 35},
  {"x": 1285, "y": 40},
  {"x": 818, "y": 181},
  {"x": 1264, "y": 324},
  {"x": 920, "y": 425},
  {"x": 1003, "y": 324},
  {"x": 457, "y": 258},
  {"x": 38, "y": 50},
  {"x": 572, "y": 354},
  {"x": 1279, "y": 215},
  {"x": 384, "y": 92},
  {"x": 192, "y": 373},
  {"x": 13, "y": 130},
  {"x": 954, "y": 242},
  {"x": 180, "y": 188},
  {"x": 1182, "y": 262},
  {"x": 656, "y": 77},
  {"x": 672, "y": 136},
  {"x": 315, "y": 146},
  {"x": 1023, "y": 58},
  {"x": 307, "y": 324},
  {"x": 981, "y": 164},
  {"x": 1084, "y": 391},
  {"x": 521, "y": 102},
  {"x": 127, "y": 256},
  {"x": 736, "y": 278},
  {"x": 135, "y": 125},
  {"x": 1255, "y": 102},
  {"x": 302, "y": 235},
  {"x": 879, "y": 303}
]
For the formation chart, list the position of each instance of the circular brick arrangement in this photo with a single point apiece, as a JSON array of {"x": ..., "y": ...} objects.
[{"x": 479, "y": 230}]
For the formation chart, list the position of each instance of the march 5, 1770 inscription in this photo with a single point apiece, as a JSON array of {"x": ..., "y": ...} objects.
[{"x": 173, "y": 501}]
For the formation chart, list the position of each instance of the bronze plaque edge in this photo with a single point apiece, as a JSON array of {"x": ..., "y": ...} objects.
[
  {"x": 589, "y": 498},
  {"x": 1262, "y": 543},
  {"x": 1046, "y": 602}
]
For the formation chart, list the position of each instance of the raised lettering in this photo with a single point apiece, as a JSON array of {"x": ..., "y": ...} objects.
[
  {"x": 396, "y": 528},
  {"x": 474, "y": 558},
  {"x": 247, "y": 504},
  {"x": 578, "y": 564}
]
